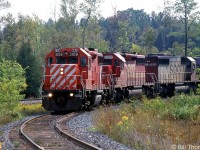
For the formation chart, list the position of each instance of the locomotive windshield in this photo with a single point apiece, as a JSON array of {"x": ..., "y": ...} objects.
[
  {"x": 61, "y": 60},
  {"x": 140, "y": 60},
  {"x": 107, "y": 62},
  {"x": 64, "y": 60},
  {"x": 73, "y": 60}
]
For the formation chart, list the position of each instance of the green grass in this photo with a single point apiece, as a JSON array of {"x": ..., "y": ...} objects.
[
  {"x": 152, "y": 124},
  {"x": 22, "y": 110}
]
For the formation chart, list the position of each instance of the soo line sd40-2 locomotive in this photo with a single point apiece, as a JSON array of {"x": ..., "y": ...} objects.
[{"x": 79, "y": 77}]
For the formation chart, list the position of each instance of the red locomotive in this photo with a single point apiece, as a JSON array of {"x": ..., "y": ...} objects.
[
  {"x": 79, "y": 77},
  {"x": 72, "y": 79}
]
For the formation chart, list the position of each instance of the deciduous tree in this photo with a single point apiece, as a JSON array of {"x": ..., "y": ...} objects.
[
  {"x": 12, "y": 83},
  {"x": 4, "y": 4}
]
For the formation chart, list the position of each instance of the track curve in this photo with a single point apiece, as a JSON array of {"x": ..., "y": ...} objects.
[{"x": 46, "y": 132}]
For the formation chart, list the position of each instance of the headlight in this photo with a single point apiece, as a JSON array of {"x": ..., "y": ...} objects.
[
  {"x": 50, "y": 95},
  {"x": 71, "y": 94},
  {"x": 61, "y": 71}
]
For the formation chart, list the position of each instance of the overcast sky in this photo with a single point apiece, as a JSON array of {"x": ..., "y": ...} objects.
[{"x": 45, "y": 8}]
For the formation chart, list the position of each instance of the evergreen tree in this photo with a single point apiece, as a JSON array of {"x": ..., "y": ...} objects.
[{"x": 33, "y": 71}]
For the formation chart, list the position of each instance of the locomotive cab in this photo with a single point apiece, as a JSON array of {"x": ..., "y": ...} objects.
[
  {"x": 114, "y": 75},
  {"x": 190, "y": 65},
  {"x": 114, "y": 68}
]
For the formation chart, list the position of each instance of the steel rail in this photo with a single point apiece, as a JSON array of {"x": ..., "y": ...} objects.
[
  {"x": 21, "y": 132},
  {"x": 76, "y": 140},
  {"x": 31, "y": 99}
]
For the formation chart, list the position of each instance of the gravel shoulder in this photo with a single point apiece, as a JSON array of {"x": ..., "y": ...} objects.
[{"x": 81, "y": 126}]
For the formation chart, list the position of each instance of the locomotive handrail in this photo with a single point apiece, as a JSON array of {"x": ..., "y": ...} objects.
[
  {"x": 111, "y": 82},
  {"x": 43, "y": 78},
  {"x": 107, "y": 76},
  {"x": 153, "y": 76},
  {"x": 82, "y": 83}
]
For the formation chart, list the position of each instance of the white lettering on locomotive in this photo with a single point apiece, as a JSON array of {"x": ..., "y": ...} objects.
[
  {"x": 108, "y": 57},
  {"x": 58, "y": 54}
]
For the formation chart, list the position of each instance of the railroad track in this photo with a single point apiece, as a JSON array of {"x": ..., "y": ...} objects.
[
  {"x": 31, "y": 101},
  {"x": 50, "y": 132}
]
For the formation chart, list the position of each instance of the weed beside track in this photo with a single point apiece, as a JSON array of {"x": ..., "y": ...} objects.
[{"x": 153, "y": 124}]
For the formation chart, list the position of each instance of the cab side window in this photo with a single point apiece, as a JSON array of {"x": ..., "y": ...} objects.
[
  {"x": 83, "y": 62},
  {"x": 116, "y": 63},
  {"x": 50, "y": 61}
]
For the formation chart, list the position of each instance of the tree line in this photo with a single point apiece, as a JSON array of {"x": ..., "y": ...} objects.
[{"x": 27, "y": 39}]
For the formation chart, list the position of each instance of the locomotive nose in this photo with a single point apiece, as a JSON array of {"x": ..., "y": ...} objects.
[{"x": 63, "y": 77}]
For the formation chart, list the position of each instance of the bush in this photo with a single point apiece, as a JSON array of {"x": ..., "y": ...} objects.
[{"x": 185, "y": 107}]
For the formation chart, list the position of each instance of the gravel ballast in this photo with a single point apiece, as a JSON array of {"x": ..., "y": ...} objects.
[{"x": 4, "y": 138}]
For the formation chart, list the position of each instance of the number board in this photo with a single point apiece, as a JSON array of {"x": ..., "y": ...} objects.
[
  {"x": 59, "y": 53},
  {"x": 72, "y": 53}
]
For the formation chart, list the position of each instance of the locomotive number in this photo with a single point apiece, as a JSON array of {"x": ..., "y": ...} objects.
[
  {"x": 108, "y": 57},
  {"x": 73, "y": 53},
  {"x": 58, "y": 54}
]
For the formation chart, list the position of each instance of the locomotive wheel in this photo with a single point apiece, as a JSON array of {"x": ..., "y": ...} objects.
[
  {"x": 170, "y": 91},
  {"x": 149, "y": 92},
  {"x": 103, "y": 101},
  {"x": 119, "y": 96}
]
